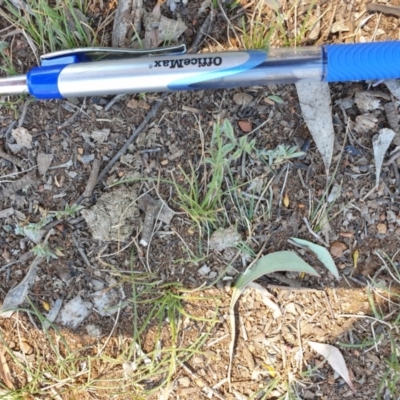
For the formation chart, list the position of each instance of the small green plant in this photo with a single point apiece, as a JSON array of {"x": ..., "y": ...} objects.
[
  {"x": 12, "y": 104},
  {"x": 43, "y": 250},
  {"x": 52, "y": 28},
  {"x": 34, "y": 230},
  {"x": 166, "y": 332},
  {"x": 8, "y": 67},
  {"x": 205, "y": 204},
  {"x": 262, "y": 31},
  {"x": 258, "y": 36},
  {"x": 280, "y": 154},
  {"x": 69, "y": 211},
  {"x": 238, "y": 147}
]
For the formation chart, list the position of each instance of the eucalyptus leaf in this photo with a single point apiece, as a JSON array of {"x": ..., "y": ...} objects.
[
  {"x": 287, "y": 261},
  {"x": 335, "y": 359},
  {"x": 322, "y": 254},
  {"x": 381, "y": 143},
  {"x": 18, "y": 293},
  {"x": 315, "y": 104}
]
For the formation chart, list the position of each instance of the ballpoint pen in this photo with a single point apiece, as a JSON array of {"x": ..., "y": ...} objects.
[{"x": 109, "y": 71}]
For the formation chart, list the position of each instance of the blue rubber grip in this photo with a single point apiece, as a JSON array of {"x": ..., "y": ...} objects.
[
  {"x": 363, "y": 61},
  {"x": 43, "y": 82}
]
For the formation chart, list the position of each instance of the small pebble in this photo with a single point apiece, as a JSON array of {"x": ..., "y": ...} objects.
[
  {"x": 382, "y": 228},
  {"x": 204, "y": 270},
  {"x": 26, "y": 348},
  {"x": 242, "y": 99},
  {"x": 93, "y": 330},
  {"x": 185, "y": 382}
]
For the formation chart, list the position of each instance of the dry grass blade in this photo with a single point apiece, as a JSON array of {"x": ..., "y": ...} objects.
[{"x": 5, "y": 371}]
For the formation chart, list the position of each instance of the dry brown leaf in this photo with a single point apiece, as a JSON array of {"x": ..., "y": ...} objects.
[
  {"x": 245, "y": 126},
  {"x": 5, "y": 371},
  {"x": 337, "y": 249}
]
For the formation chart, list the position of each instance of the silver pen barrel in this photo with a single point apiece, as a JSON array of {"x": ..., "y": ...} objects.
[
  {"x": 158, "y": 73},
  {"x": 191, "y": 72},
  {"x": 13, "y": 85}
]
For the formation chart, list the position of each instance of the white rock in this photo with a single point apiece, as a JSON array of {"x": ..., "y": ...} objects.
[
  {"x": 74, "y": 312},
  {"x": 204, "y": 270},
  {"x": 93, "y": 330},
  {"x": 106, "y": 301}
]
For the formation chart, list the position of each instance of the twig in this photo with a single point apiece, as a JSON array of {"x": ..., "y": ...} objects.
[
  {"x": 392, "y": 158},
  {"x": 14, "y": 160},
  {"x": 134, "y": 135},
  {"x": 203, "y": 31},
  {"x": 80, "y": 250},
  {"x": 94, "y": 173},
  {"x": 10, "y": 128},
  {"x": 113, "y": 101},
  {"x": 112, "y": 330},
  {"x": 201, "y": 382},
  {"x": 391, "y": 10},
  {"x": 148, "y": 224},
  {"x": 23, "y": 114},
  {"x": 69, "y": 120},
  {"x": 283, "y": 186},
  {"x": 313, "y": 233},
  {"x": 397, "y": 175},
  {"x": 25, "y": 257},
  {"x": 229, "y": 23},
  {"x": 367, "y": 316},
  {"x": 329, "y": 305},
  {"x": 147, "y": 151}
]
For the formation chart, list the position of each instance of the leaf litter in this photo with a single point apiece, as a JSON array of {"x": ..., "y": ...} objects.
[
  {"x": 335, "y": 358},
  {"x": 381, "y": 143},
  {"x": 315, "y": 103},
  {"x": 280, "y": 123}
]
